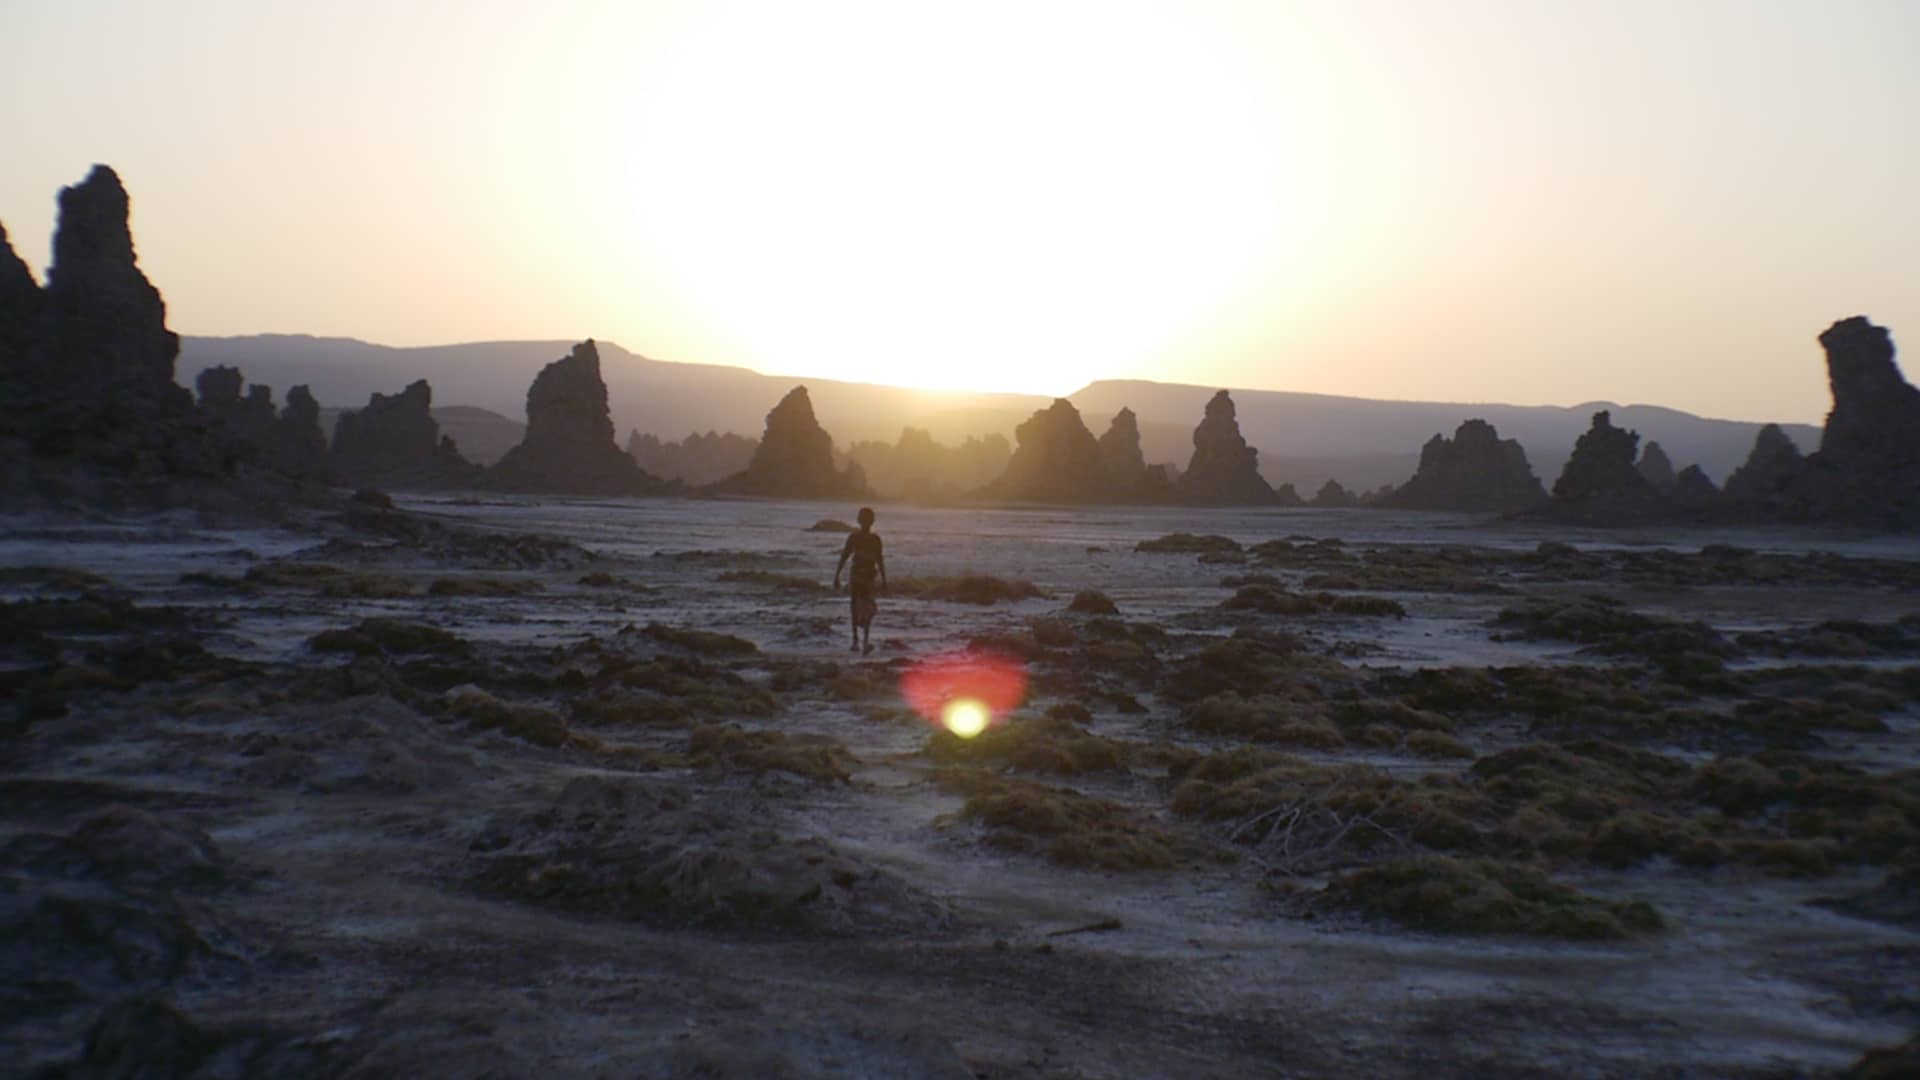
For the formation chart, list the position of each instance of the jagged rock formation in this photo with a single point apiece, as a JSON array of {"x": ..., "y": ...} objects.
[
  {"x": 1694, "y": 490},
  {"x": 395, "y": 444},
  {"x": 1055, "y": 459},
  {"x": 697, "y": 459},
  {"x": 1287, "y": 495},
  {"x": 568, "y": 448},
  {"x": 1333, "y": 495},
  {"x": 1874, "y": 426},
  {"x": 105, "y": 322},
  {"x": 259, "y": 434},
  {"x": 1766, "y": 484},
  {"x": 917, "y": 467},
  {"x": 1657, "y": 468},
  {"x": 1600, "y": 483},
  {"x": 1224, "y": 469},
  {"x": 1120, "y": 446},
  {"x": 19, "y": 306},
  {"x": 300, "y": 443},
  {"x": 795, "y": 458},
  {"x": 1475, "y": 470},
  {"x": 1867, "y": 469},
  {"x": 1129, "y": 477},
  {"x": 92, "y": 412}
]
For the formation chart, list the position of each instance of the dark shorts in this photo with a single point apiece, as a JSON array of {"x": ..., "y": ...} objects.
[{"x": 864, "y": 603}]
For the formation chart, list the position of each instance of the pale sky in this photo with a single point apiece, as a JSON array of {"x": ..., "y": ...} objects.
[{"x": 1527, "y": 202}]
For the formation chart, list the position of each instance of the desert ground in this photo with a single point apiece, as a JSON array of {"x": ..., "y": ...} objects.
[{"x": 501, "y": 786}]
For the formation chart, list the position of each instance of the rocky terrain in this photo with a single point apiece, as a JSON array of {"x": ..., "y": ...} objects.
[
  {"x": 507, "y": 785},
  {"x": 534, "y": 786}
]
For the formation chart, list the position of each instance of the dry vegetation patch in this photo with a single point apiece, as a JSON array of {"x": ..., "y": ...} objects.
[
  {"x": 704, "y": 642},
  {"x": 769, "y": 579},
  {"x": 982, "y": 589},
  {"x": 1093, "y": 602},
  {"x": 1063, "y": 826},
  {"x": 1189, "y": 544},
  {"x": 330, "y": 580},
  {"x": 1481, "y": 896},
  {"x": 1042, "y": 744},
  {"x": 1263, "y": 719},
  {"x": 477, "y": 585},
  {"x": 730, "y": 746},
  {"x": 378, "y": 637}
]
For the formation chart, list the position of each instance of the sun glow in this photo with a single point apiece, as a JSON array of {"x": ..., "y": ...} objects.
[
  {"x": 966, "y": 717},
  {"x": 991, "y": 196}
]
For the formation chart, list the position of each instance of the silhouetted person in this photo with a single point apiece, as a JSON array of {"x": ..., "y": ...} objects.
[{"x": 864, "y": 549}]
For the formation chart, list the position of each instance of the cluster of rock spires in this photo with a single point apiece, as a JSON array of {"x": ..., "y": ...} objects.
[
  {"x": 1056, "y": 459},
  {"x": 919, "y": 468},
  {"x": 1475, "y": 470},
  {"x": 286, "y": 441},
  {"x": 1866, "y": 472},
  {"x": 93, "y": 413},
  {"x": 395, "y": 443},
  {"x": 695, "y": 460}
]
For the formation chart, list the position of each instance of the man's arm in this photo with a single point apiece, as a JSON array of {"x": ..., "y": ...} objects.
[
  {"x": 846, "y": 552},
  {"x": 880, "y": 560}
]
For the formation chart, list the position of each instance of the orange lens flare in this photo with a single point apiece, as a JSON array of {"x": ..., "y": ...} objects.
[{"x": 965, "y": 692}]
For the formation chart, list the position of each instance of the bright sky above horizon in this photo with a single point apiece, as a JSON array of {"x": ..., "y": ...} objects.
[{"x": 1536, "y": 202}]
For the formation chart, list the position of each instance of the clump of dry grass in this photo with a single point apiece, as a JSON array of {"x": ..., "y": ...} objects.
[
  {"x": 695, "y": 685},
  {"x": 1044, "y": 744},
  {"x": 982, "y": 589},
  {"x": 375, "y": 637},
  {"x": 1063, "y": 826},
  {"x": 731, "y": 746},
  {"x": 1436, "y": 744},
  {"x": 1263, "y": 719},
  {"x": 477, "y": 585},
  {"x": 328, "y": 579},
  {"x": 768, "y": 579},
  {"x": 1267, "y": 600},
  {"x": 537, "y": 723},
  {"x": 1093, "y": 602},
  {"x": 1481, "y": 896},
  {"x": 704, "y": 642},
  {"x": 1189, "y": 544}
]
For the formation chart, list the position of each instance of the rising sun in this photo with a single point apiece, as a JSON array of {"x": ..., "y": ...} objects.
[{"x": 983, "y": 196}]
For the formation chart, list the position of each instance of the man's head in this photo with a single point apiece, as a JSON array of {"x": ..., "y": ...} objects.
[{"x": 865, "y": 517}]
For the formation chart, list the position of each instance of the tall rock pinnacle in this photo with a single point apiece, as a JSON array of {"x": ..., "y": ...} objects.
[
  {"x": 569, "y": 447},
  {"x": 795, "y": 458},
  {"x": 105, "y": 323},
  {"x": 1224, "y": 469}
]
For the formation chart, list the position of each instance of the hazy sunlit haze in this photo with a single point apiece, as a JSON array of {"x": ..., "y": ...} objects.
[{"x": 1521, "y": 202}]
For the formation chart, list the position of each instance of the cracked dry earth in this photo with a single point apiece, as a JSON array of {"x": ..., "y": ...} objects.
[{"x": 572, "y": 787}]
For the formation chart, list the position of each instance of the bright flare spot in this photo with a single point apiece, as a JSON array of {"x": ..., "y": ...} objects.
[{"x": 965, "y": 718}]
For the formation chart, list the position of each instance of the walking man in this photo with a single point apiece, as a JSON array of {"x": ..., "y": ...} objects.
[{"x": 869, "y": 560}]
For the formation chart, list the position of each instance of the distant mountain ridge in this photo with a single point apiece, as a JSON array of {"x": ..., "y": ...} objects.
[{"x": 1303, "y": 438}]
